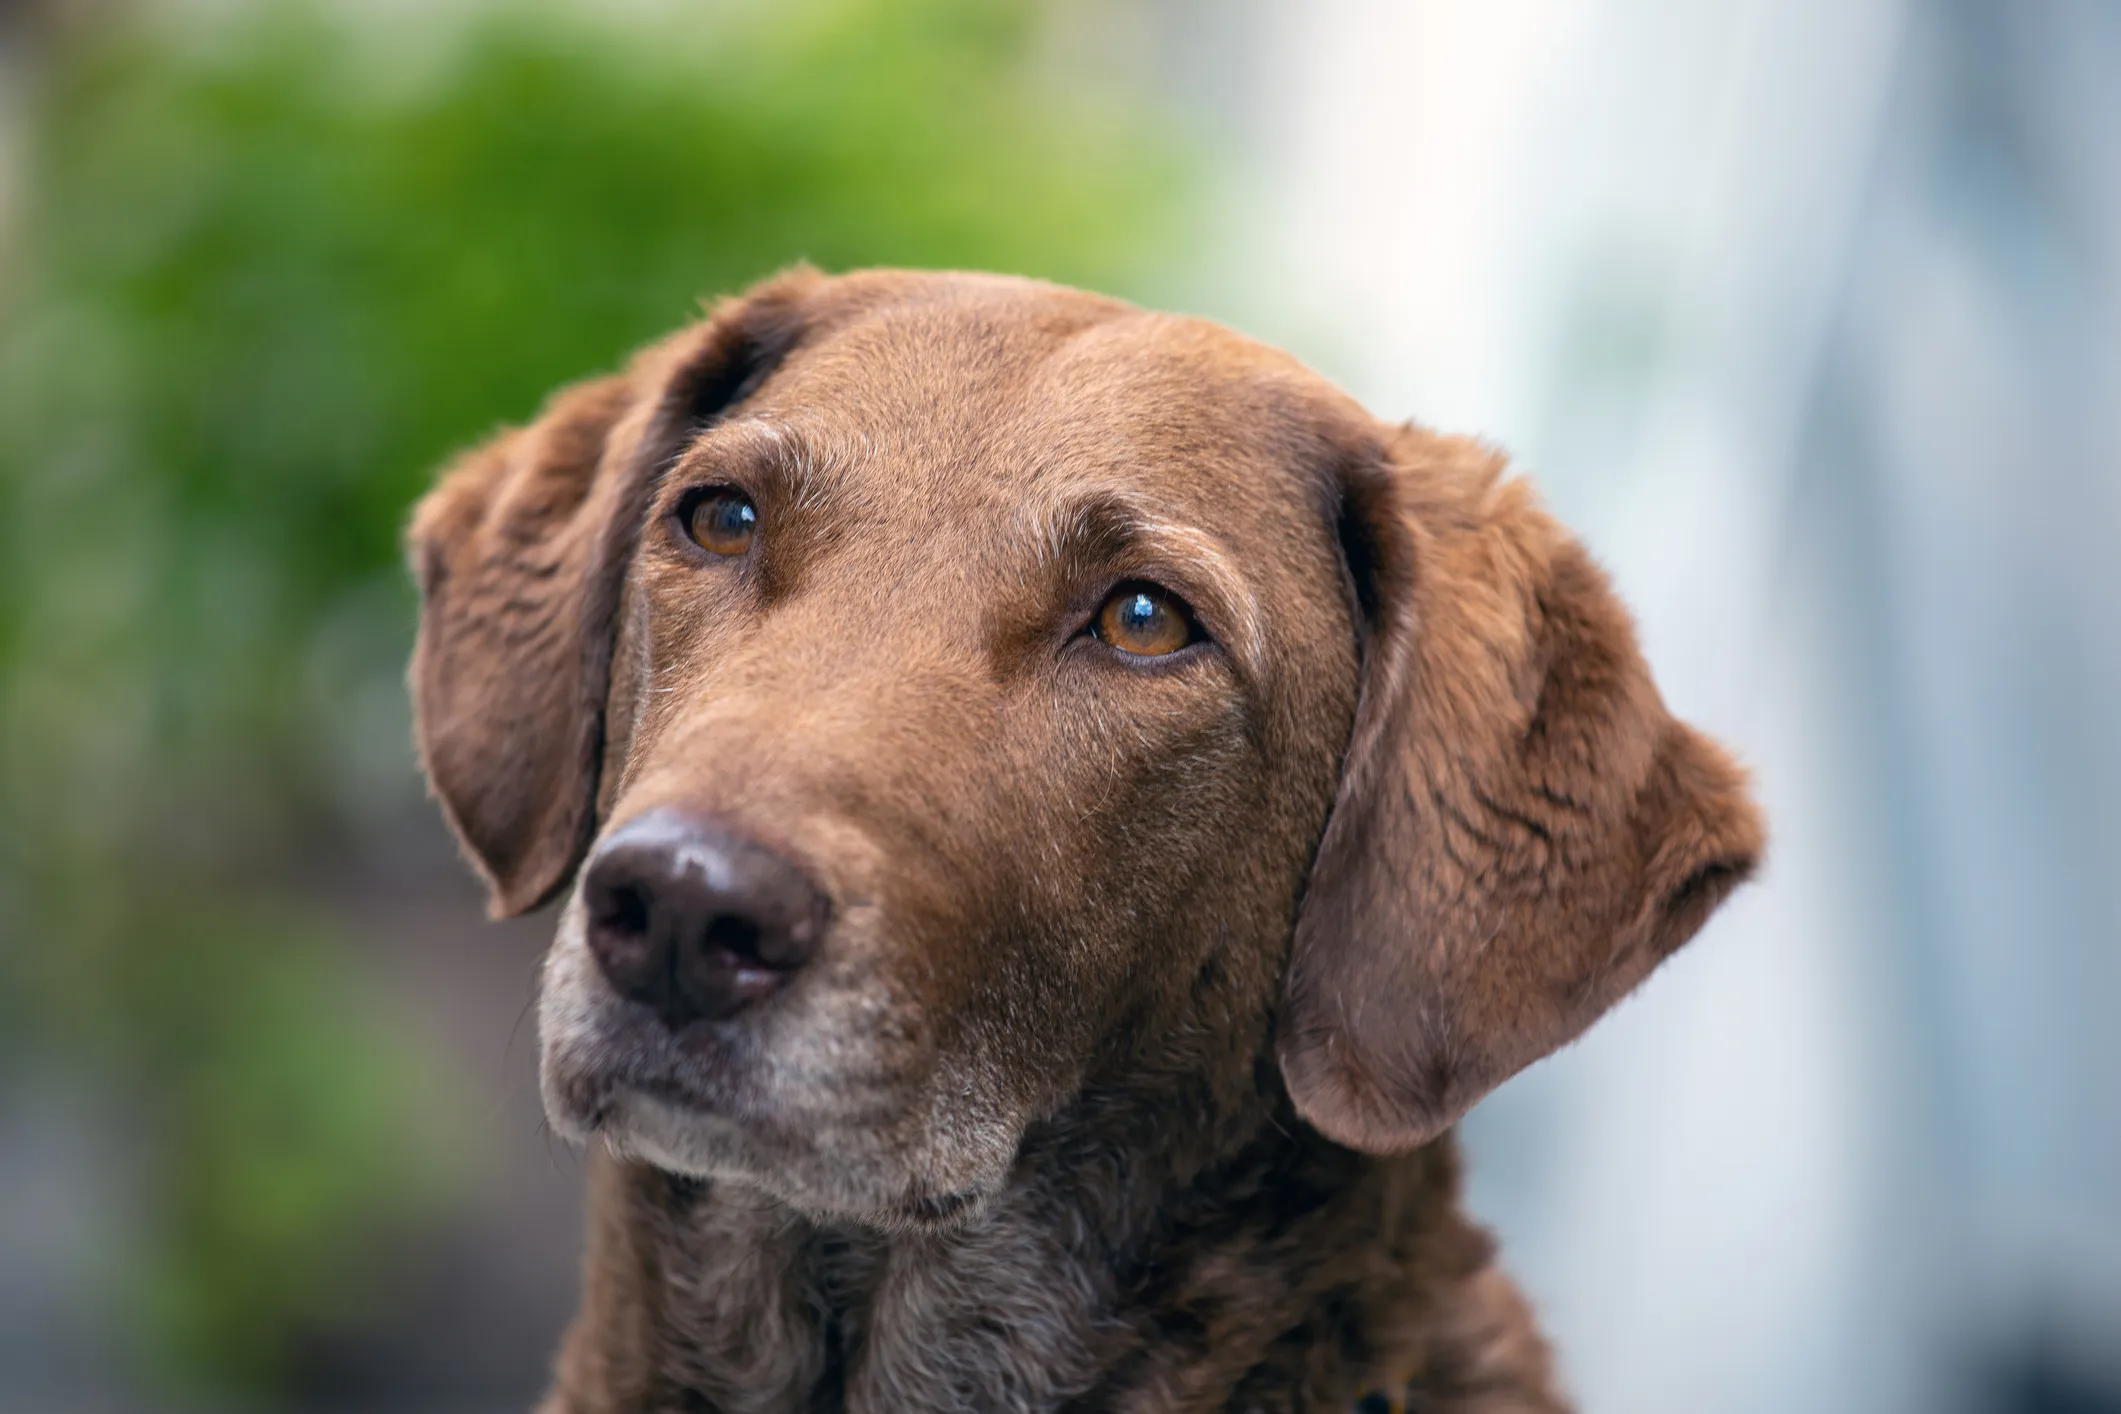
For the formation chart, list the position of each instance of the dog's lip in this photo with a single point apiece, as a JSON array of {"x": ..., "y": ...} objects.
[
  {"x": 612, "y": 1083},
  {"x": 631, "y": 1055},
  {"x": 619, "y": 1057}
]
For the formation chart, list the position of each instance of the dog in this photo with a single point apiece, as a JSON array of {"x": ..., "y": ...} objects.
[{"x": 1058, "y": 812}]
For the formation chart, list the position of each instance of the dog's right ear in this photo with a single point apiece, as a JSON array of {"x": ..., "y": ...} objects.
[{"x": 521, "y": 554}]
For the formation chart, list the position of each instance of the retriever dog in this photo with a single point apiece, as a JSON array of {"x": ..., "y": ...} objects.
[{"x": 1058, "y": 812}]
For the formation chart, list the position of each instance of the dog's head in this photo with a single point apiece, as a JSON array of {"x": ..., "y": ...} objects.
[{"x": 944, "y": 692}]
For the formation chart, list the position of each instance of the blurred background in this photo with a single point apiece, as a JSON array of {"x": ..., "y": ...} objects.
[{"x": 1806, "y": 313}]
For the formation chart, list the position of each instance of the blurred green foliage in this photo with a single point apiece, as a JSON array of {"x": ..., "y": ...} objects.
[{"x": 270, "y": 264}]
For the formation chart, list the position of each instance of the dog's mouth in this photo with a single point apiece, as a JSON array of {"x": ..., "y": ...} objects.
[
  {"x": 591, "y": 1074},
  {"x": 698, "y": 1144}
]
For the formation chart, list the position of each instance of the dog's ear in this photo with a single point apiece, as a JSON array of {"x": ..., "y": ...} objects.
[
  {"x": 521, "y": 553},
  {"x": 1522, "y": 831}
]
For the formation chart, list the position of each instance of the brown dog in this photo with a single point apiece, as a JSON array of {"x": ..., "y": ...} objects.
[{"x": 1064, "y": 811}]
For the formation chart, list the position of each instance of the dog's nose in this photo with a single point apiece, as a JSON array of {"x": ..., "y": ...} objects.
[{"x": 694, "y": 920}]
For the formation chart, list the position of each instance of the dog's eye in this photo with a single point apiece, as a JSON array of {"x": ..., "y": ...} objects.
[
  {"x": 1145, "y": 621},
  {"x": 721, "y": 520}
]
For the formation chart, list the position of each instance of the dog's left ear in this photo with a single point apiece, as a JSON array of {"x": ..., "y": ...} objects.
[{"x": 1522, "y": 831}]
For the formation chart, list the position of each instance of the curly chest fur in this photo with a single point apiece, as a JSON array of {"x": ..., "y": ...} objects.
[{"x": 1299, "y": 1278}]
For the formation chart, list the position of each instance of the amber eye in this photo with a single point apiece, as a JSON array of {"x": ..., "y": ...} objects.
[
  {"x": 722, "y": 520},
  {"x": 1143, "y": 620}
]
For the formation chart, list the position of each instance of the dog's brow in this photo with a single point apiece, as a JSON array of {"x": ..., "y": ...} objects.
[
  {"x": 802, "y": 466},
  {"x": 1113, "y": 533}
]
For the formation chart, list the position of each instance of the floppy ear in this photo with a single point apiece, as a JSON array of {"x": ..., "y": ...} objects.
[
  {"x": 1522, "y": 831},
  {"x": 521, "y": 553}
]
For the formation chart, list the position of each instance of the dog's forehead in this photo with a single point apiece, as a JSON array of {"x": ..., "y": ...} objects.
[{"x": 997, "y": 395}]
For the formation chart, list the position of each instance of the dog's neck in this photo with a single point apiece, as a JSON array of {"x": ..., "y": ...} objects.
[{"x": 1285, "y": 1274}]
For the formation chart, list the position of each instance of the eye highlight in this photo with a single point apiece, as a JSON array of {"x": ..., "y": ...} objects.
[
  {"x": 720, "y": 520},
  {"x": 1145, "y": 622}
]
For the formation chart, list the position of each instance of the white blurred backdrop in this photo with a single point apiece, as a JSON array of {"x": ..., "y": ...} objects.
[{"x": 1807, "y": 314}]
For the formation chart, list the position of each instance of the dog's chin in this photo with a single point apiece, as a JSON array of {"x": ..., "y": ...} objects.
[
  {"x": 871, "y": 1184},
  {"x": 874, "y": 1192}
]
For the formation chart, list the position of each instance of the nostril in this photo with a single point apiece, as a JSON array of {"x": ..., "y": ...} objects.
[
  {"x": 738, "y": 937},
  {"x": 732, "y": 961},
  {"x": 622, "y": 934},
  {"x": 620, "y": 908}
]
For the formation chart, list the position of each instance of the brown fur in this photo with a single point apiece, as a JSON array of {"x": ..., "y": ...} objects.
[{"x": 1123, "y": 1078}]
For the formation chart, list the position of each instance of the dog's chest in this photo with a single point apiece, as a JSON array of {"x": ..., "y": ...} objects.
[{"x": 1005, "y": 1318}]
